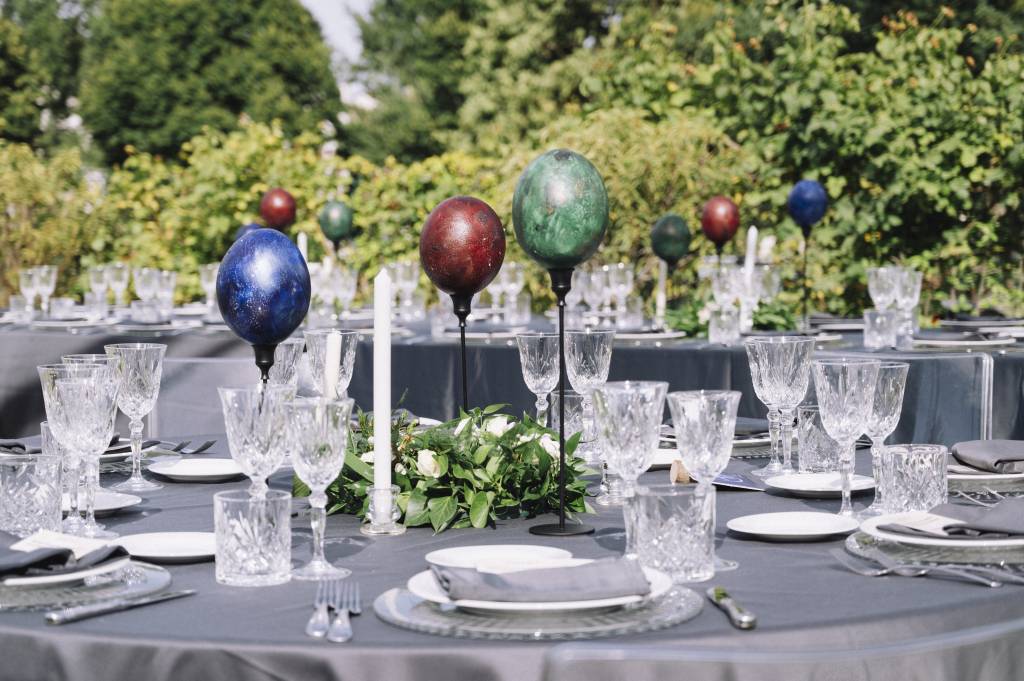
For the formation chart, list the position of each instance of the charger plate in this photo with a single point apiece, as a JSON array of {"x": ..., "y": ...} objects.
[
  {"x": 402, "y": 609},
  {"x": 864, "y": 545},
  {"x": 136, "y": 579}
]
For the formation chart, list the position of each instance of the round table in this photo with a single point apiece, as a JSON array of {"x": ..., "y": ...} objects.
[{"x": 816, "y": 619}]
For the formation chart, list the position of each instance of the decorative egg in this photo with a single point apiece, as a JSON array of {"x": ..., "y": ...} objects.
[
  {"x": 277, "y": 208},
  {"x": 336, "y": 222},
  {"x": 719, "y": 220},
  {"x": 807, "y": 203},
  {"x": 245, "y": 229},
  {"x": 670, "y": 238},
  {"x": 462, "y": 245}
]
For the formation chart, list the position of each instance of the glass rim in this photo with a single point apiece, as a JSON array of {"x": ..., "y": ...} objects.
[
  {"x": 666, "y": 490},
  {"x": 845, "y": 361},
  {"x": 918, "y": 447},
  {"x": 254, "y": 388},
  {"x": 244, "y": 495},
  {"x": 892, "y": 364},
  {"x": 621, "y": 386},
  {"x": 590, "y": 332},
  {"x": 308, "y": 401},
  {"x": 540, "y": 334},
  {"x": 135, "y": 346},
  {"x": 704, "y": 393},
  {"x": 292, "y": 341},
  {"x": 63, "y": 366},
  {"x": 325, "y": 330},
  {"x": 89, "y": 357},
  {"x": 778, "y": 340},
  {"x": 27, "y": 457}
]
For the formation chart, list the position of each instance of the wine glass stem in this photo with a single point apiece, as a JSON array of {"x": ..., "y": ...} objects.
[
  {"x": 92, "y": 481},
  {"x": 136, "y": 438},
  {"x": 629, "y": 515},
  {"x": 774, "y": 418},
  {"x": 75, "y": 472},
  {"x": 318, "y": 521},
  {"x": 786, "y": 433},
  {"x": 542, "y": 409},
  {"x": 588, "y": 417},
  {"x": 708, "y": 489},
  {"x": 847, "y": 477},
  {"x": 877, "y": 445}
]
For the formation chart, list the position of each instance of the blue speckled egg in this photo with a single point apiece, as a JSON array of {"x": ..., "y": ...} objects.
[
  {"x": 263, "y": 287},
  {"x": 807, "y": 202}
]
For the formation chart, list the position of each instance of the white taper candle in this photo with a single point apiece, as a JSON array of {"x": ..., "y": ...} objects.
[{"x": 382, "y": 298}]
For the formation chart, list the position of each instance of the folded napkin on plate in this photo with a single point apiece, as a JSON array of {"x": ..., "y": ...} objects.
[
  {"x": 1005, "y": 520},
  {"x": 52, "y": 553},
  {"x": 19, "y": 446},
  {"x": 599, "y": 579},
  {"x": 992, "y": 456}
]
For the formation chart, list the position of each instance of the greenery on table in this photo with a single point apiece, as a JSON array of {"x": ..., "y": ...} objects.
[
  {"x": 469, "y": 472},
  {"x": 910, "y": 119}
]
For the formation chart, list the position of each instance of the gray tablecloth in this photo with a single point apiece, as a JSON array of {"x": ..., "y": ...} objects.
[
  {"x": 945, "y": 400},
  {"x": 805, "y": 601}
]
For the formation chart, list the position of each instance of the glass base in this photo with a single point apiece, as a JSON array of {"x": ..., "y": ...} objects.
[
  {"x": 96, "y": 531},
  {"x": 136, "y": 484},
  {"x": 320, "y": 569},
  {"x": 869, "y": 512},
  {"x": 722, "y": 565},
  {"x": 768, "y": 471},
  {"x": 254, "y": 580},
  {"x": 385, "y": 529},
  {"x": 72, "y": 525},
  {"x": 609, "y": 500}
]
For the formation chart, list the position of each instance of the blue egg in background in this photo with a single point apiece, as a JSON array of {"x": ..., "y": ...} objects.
[
  {"x": 807, "y": 202},
  {"x": 263, "y": 287}
]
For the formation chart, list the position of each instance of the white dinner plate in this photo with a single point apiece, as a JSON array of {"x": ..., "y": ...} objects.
[
  {"x": 425, "y": 585},
  {"x": 663, "y": 458},
  {"x": 980, "y": 323},
  {"x": 792, "y": 526},
  {"x": 107, "y": 502},
  {"x": 841, "y": 326},
  {"x": 194, "y": 310},
  {"x": 817, "y": 485},
  {"x": 170, "y": 547},
  {"x": 70, "y": 323},
  {"x": 471, "y": 556},
  {"x": 947, "y": 343},
  {"x": 650, "y": 335},
  {"x": 197, "y": 470},
  {"x": 77, "y": 576},
  {"x": 871, "y": 527},
  {"x": 956, "y": 472},
  {"x": 746, "y": 441}
]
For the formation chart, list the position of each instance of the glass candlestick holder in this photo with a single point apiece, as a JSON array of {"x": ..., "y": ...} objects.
[{"x": 383, "y": 513}]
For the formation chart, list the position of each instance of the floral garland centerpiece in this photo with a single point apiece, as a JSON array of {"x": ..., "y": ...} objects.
[{"x": 469, "y": 472}]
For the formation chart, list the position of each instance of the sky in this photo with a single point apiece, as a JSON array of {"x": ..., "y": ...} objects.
[{"x": 342, "y": 33}]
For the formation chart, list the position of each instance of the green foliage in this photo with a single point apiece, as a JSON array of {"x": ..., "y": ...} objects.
[
  {"x": 155, "y": 73},
  {"x": 22, "y": 82},
  {"x": 470, "y": 472}
]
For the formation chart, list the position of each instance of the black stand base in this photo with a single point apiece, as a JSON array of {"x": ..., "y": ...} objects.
[
  {"x": 461, "y": 304},
  {"x": 265, "y": 359},
  {"x": 559, "y": 530}
]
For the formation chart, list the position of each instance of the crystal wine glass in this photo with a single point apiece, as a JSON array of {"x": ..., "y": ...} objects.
[
  {"x": 287, "y": 355},
  {"x": 538, "y": 355},
  {"x": 588, "y": 356},
  {"x": 28, "y": 283},
  {"x": 882, "y": 286},
  {"x": 98, "y": 281},
  {"x": 140, "y": 366},
  {"x": 629, "y": 415},
  {"x": 780, "y": 370},
  {"x": 316, "y": 346},
  {"x": 92, "y": 401},
  {"x": 705, "y": 425},
  {"x": 58, "y": 416},
  {"x": 318, "y": 430},
  {"x": 885, "y": 415},
  {"x": 47, "y": 283},
  {"x": 255, "y": 420},
  {"x": 515, "y": 279},
  {"x": 846, "y": 393},
  {"x": 208, "y": 280},
  {"x": 908, "y": 293},
  {"x": 346, "y": 288},
  {"x": 117, "y": 279},
  {"x": 593, "y": 294}
]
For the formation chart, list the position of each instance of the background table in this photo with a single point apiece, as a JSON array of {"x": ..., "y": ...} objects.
[
  {"x": 951, "y": 396},
  {"x": 805, "y": 601}
]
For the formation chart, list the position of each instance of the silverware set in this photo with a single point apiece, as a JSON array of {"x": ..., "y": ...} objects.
[
  {"x": 343, "y": 598},
  {"x": 986, "y": 497},
  {"x": 878, "y": 564}
]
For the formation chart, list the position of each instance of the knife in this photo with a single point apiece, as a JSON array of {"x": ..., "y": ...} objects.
[
  {"x": 740, "y": 618},
  {"x": 81, "y": 612}
]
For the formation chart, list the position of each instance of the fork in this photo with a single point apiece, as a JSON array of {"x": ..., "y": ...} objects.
[
  {"x": 320, "y": 619},
  {"x": 857, "y": 565},
  {"x": 197, "y": 450},
  {"x": 343, "y": 601}
]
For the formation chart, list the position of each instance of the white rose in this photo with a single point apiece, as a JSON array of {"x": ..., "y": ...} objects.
[
  {"x": 704, "y": 316},
  {"x": 526, "y": 437},
  {"x": 497, "y": 425},
  {"x": 461, "y": 427},
  {"x": 400, "y": 469},
  {"x": 550, "y": 445},
  {"x": 366, "y": 457},
  {"x": 427, "y": 465}
]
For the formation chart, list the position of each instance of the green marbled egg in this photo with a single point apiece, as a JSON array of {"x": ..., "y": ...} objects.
[{"x": 670, "y": 238}]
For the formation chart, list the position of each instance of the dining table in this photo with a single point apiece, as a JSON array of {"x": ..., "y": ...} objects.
[{"x": 816, "y": 619}]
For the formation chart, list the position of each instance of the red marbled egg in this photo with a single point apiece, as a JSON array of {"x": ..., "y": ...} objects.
[
  {"x": 720, "y": 220},
  {"x": 462, "y": 245},
  {"x": 277, "y": 208}
]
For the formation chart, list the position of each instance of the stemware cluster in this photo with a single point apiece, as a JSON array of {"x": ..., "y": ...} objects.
[
  {"x": 606, "y": 291},
  {"x": 780, "y": 371},
  {"x": 588, "y": 356},
  {"x": 334, "y": 285},
  {"x": 735, "y": 287},
  {"x": 37, "y": 281},
  {"x": 897, "y": 289},
  {"x": 508, "y": 304}
]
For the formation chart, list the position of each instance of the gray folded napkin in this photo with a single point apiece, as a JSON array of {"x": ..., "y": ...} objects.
[
  {"x": 1005, "y": 520},
  {"x": 599, "y": 579},
  {"x": 23, "y": 447},
  {"x": 50, "y": 561},
  {"x": 994, "y": 456}
]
